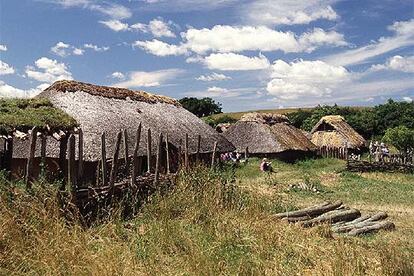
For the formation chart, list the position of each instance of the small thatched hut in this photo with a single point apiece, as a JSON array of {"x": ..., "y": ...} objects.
[
  {"x": 99, "y": 109},
  {"x": 333, "y": 131},
  {"x": 269, "y": 135}
]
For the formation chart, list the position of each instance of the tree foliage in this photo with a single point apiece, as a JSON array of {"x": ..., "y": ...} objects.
[
  {"x": 201, "y": 107},
  {"x": 401, "y": 137}
]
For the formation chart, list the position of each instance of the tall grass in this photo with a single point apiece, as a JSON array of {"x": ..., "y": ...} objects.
[{"x": 204, "y": 225}]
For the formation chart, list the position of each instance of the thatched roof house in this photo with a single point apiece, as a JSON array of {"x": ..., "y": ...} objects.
[
  {"x": 334, "y": 131},
  {"x": 269, "y": 135},
  {"x": 98, "y": 109}
]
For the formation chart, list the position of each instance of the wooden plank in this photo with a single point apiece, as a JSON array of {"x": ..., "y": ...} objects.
[
  {"x": 103, "y": 159},
  {"x": 115, "y": 157},
  {"x": 167, "y": 151},
  {"x": 186, "y": 161},
  {"x": 30, "y": 158},
  {"x": 213, "y": 157},
  {"x": 72, "y": 175},
  {"x": 158, "y": 160},
  {"x": 126, "y": 157},
  {"x": 135, "y": 157},
  {"x": 80, "y": 155},
  {"x": 149, "y": 151}
]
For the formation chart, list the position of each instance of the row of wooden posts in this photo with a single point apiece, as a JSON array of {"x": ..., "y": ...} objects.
[
  {"x": 333, "y": 152},
  {"x": 75, "y": 173}
]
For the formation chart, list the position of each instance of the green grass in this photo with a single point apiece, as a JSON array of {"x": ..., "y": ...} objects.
[
  {"x": 24, "y": 114},
  {"x": 212, "y": 223}
]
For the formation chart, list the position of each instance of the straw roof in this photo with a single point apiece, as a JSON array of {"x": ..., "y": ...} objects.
[
  {"x": 100, "y": 109},
  {"x": 267, "y": 134},
  {"x": 334, "y": 131}
]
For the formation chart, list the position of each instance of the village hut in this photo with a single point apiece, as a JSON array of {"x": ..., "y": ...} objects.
[
  {"x": 99, "y": 109},
  {"x": 334, "y": 132},
  {"x": 269, "y": 135}
]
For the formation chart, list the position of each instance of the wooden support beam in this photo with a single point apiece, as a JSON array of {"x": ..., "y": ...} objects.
[
  {"x": 167, "y": 151},
  {"x": 80, "y": 155},
  {"x": 115, "y": 157},
  {"x": 126, "y": 157},
  {"x": 149, "y": 150},
  {"x": 30, "y": 158},
  {"x": 103, "y": 159},
  {"x": 213, "y": 157},
  {"x": 72, "y": 175},
  {"x": 246, "y": 153},
  {"x": 135, "y": 157},
  {"x": 186, "y": 161},
  {"x": 158, "y": 160}
]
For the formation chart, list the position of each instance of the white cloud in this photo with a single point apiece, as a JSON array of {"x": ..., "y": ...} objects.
[
  {"x": 235, "y": 62},
  {"x": 287, "y": 12},
  {"x": 3, "y": 47},
  {"x": 187, "y": 5},
  {"x": 60, "y": 49},
  {"x": 160, "y": 48},
  {"x": 159, "y": 28},
  {"x": 78, "y": 51},
  {"x": 397, "y": 63},
  {"x": 48, "y": 71},
  {"x": 118, "y": 75},
  {"x": 317, "y": 37},
  {"x": 213, "y": 77},
  {"x": 95, "y": 47},
  {"x": 403, "y": 37},
  {"x": 8, "y": 91},
  {"x": 6, "y": 69},
  {"x": 304, "y": 79},
  {"x": 115, "y": 25},
  {"x": 408, "y": 99},
  {"x": 110, "y": 9},
  {"x": 149, "y": 79}
]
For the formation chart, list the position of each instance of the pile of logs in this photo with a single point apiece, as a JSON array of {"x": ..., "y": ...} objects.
[
  {"x": 343, "y": 219},
  {"x": 366, "y": 166},
  {"x": 304, "y": 187}
]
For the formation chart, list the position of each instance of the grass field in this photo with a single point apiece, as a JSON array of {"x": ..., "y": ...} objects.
[{"x": 216, "y": 223}]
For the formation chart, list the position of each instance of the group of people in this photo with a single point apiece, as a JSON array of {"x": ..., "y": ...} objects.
[
  {"x": 380, "y": 151},
  {"x": 231, "y": 156}
]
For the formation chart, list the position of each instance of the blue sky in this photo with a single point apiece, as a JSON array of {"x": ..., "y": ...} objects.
[{"x": 245, "y": 54}]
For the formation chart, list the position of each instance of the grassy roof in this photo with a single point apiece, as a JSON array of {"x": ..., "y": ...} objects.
[{"x": 24, "y": 114}]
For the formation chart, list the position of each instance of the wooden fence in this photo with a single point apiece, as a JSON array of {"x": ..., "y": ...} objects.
[
  {"x": 333, "y": 152},
  {"x": 369, "y": 166},
  {"x": 114, "y": 175}
]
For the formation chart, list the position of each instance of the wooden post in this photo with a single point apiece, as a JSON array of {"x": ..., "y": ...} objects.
[
  {"x": 149, "y": 150},
  {"x": 135, "y": 157},
  {"x": 80, "y": 155},
  {"x": 72, "y": 179},
  {"x": 43, "y": 147},
  {"x": 114, "y": 168},
  {"x": 103, "y": 159},
  {"x": 63, "y": 146},
  {"x": 167, "y": 151},
  {"x": 30, "y": 159},
  {"x": 186, "y": 152},
  {"x": 246, "y": 153},
  {"x": 126, "y": 152},
  {"x": 213, "y": 157},
  {"x": 8, "y": 153},
  {"x": 158, "y": 160},
  {"x": 98, "y": 166},
  {"x": 198, "y": 148}
]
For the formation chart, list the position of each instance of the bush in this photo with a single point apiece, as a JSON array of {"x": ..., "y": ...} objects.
[{"x": 401, "y": 137}]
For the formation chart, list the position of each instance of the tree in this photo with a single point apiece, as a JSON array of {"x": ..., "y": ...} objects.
[
  {"x": 201, "y": 107},
  {"x": 401, "y": 137},
  {"x": 393, "y": 114}
]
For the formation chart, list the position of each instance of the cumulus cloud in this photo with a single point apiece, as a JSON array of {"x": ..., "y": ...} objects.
[
  {"x": 303, "y": 79},
  {"x": 149, "y": 79},
  {"x": 48, "y": 71},
  {"x": 115, "y": 25},
  {"x": 397, "y": 63},
  {"x": 157, "y": 27},
  {"x": 118, "y": 75},
  {"x": 235, "y": 62},
  {"x": 186, "y": 5},
  {"x": 408, "y": 99},
  {"x": 8, "y": 91},
  {"x": 403, "y": 37},
  {"x": 63, "y": 49},
  {"x": 3, "y": 47},
  {"x": 6, "y": 69},
  {"x": 159, "y": 48},
  {"x": 95, "y": 47},
  {"x": 287, "y": 12},
  {"x": 213, "y": 77}
]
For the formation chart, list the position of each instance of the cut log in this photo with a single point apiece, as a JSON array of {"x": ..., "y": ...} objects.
[
  {"x": 311, "y": 211},
  {"x": 382, "y": 225},
  {"x": 333, "y": 216},
  {"x": 361, "y": 222},
  {"x": 296, "y": 219}
]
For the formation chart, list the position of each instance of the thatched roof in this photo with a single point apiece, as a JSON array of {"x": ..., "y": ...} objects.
[
  {"x": 267, "y": 134},
  {"x": 100, "y": 109},
  {"x": 334, "y": 131}
]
